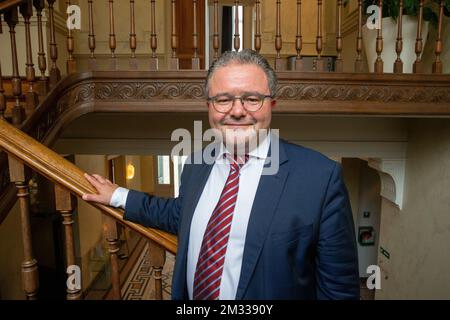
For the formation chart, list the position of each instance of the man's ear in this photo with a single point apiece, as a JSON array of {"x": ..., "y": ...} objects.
[{"x": 273, "y": 103}]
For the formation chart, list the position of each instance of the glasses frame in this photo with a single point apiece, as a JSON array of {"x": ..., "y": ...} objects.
[{"x": 262, "y": 96}]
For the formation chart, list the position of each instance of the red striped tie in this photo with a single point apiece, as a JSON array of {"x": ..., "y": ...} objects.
[{"x": 208, "y": 273}]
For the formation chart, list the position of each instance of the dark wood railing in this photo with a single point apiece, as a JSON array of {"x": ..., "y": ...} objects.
[
  {"x": 43, "y": 113},
  {"x": 23, "y": 151}
]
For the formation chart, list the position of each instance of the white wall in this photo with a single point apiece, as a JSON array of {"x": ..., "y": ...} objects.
[{"x": 369, "y": 201}]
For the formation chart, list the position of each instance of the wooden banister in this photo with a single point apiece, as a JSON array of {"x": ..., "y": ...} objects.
[{"x": 57, "y": 169}]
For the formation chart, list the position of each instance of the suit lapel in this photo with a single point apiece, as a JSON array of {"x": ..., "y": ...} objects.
[{"x": 266, "y": 199}]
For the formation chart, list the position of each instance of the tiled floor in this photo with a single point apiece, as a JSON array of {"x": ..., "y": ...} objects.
[{"x": 140, "y": 284}]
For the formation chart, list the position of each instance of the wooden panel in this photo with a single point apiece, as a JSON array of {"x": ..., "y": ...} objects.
[{"x": 185, "y": 27}]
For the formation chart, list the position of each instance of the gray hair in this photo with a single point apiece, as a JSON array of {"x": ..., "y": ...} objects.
[{"x": 245, "y": 56}]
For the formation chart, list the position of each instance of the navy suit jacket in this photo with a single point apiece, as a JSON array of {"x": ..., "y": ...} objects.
[{"x": 300, "y": 241}]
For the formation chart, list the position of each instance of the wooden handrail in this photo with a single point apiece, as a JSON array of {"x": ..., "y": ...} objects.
[
  {"x": 59, "y": 170},
  {"x": 8, "y": 4}
]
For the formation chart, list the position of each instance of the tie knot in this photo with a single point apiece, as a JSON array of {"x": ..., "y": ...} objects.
[{"x": 238, "y": 161}]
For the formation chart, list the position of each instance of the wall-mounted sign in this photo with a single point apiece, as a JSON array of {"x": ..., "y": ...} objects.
[{"x": 366, "y": 236}]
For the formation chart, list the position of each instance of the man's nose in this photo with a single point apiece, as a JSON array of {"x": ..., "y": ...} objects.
[{"x": 237, "y": 109}]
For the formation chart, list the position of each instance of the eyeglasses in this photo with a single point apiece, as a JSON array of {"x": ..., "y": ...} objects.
[{"x": 250, "y": 101}]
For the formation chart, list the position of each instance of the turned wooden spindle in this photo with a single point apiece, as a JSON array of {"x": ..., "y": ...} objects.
[
  {"x": 298, "y": 38},
  {"x": 113, "y": 65},
  {"x": 71, "y": 65},
  {"x": 18, "y": 113},
  {"x": 30, "y": 274},
  {"x": 258, "y": 26},
  {"x": 378, "y": 65},
  {"x": 157, "y": 257},
  {"x": 216, "y": 42},
  {"x": 319, "y": 64},
  {"x": 339, "y": 64},
  {"x": 195, "y": 59},
  {"x": 26, "y": 9},
  {"x": 92, "y": 63},
  {"x": 153, "y": 38},
  {"x": 2, "y": 90},
  {"x": 42, "y": 61},
  {"x": 55, "y": 74},
  {"x": 418, "y": 64},
  {"x": 111, "y": 235},
  {"x": 237, "y": 39},
  {"x": 133, "y": 61},
  {"x": 398, "y": 64},
  {"x": 173, "y": 62},
  {"x": 358, "y": 60},
  {"x": 2, "y": 96},
  {"x": 278, "y": 42},
  {"x": 437, "y": 64},
  {"x": 64, "y": 205}
]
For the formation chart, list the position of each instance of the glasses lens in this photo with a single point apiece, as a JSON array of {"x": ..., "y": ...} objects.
[{"x": 252, "y": 102}]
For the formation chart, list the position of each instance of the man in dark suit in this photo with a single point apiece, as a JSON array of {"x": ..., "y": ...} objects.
[{"x": 247, "y": 233}]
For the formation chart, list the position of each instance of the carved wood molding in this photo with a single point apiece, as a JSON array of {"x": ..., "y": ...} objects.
[{"x": 183, "y": 91}]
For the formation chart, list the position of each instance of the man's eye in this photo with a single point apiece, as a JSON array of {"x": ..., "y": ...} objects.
[
  {"x": 252, "y": 99},
  {"x": 223, "y": 100}
]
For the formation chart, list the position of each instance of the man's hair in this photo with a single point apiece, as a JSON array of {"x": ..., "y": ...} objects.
[{"x": 245, "y": 56}]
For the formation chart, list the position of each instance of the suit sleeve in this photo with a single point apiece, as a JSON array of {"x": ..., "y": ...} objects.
[
  {"x": 337, "y": 272},
  {"x": 153, "y": 211}
]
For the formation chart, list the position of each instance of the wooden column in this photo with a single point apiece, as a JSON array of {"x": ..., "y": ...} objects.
[
  {"x": 64, "y": 205},
  {"x": 173, "y": 61},
  {"x": 55, "y": 74},
  {"x": 418, "y": 64},
  {"x": 437, "y": 65},
  {"x": 195, "y": 58},
  {"x": 279, "y": 65},
  {"x": 157, "y": 256},
  {"x": 398, "y": 64},
  {"x": 237, "y": 39},
  {"x": 18, "y": 114},
  {"x": 133, "y": 61},
  {"x": 339, "y": 64},
  {"x": 71, "y": 65},
  {"x": 2, "y": 95},
  {"x": 216, "y": 43},
  {"x": 112, "y": 238},
  {"x": 43, "y": 80},
  {"x": 26, "y": 10},
  {"x": 247, "y": 26},
  {"x": 319, "y": 64},
  {"x": 358, "y": 60},
  {"x": 2, "y": 91},
  {"x": 298, "y": 38},
  {"x": 258, "y": 26},
  {"x": 112, "y": 37},
  {"x": 378, "y": 66},
  {"x": 92, "y": 62},
  {"x": 30, "y": 275},
  {"x": 153, "y": 37}
]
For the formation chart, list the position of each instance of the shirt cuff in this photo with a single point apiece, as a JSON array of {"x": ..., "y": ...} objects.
[{"x": 119, "y": 198}]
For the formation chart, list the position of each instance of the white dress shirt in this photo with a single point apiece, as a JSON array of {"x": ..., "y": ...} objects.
[{"x": 249, "y": 177}]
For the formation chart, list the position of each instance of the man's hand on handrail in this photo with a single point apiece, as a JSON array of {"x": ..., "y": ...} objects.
[{"x": 104, "y": 187}]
